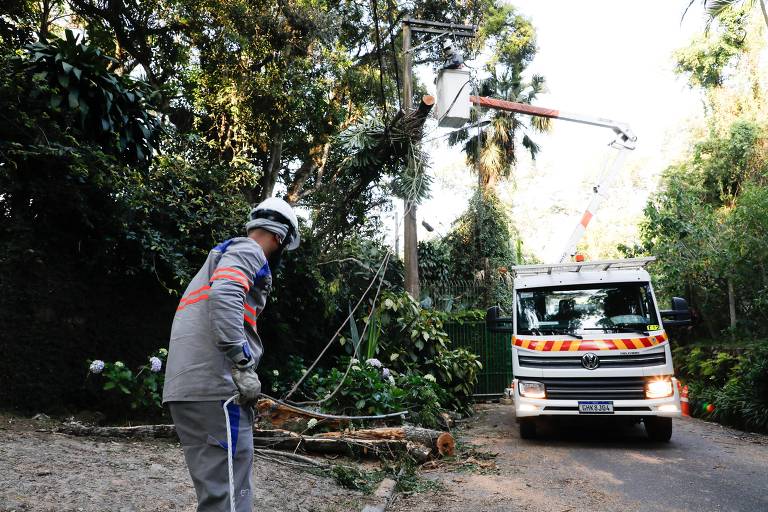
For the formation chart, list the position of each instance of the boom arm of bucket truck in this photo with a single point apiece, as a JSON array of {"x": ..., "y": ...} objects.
[{"x": 625, "y": 141}]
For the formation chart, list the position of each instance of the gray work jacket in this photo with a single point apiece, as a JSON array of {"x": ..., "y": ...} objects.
[{"x": 217, "y": 313}]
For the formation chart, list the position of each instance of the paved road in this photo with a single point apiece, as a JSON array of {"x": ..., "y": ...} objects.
[{"x": 599, "y": 467}]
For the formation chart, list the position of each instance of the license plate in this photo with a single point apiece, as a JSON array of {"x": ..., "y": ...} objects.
[{"x": 595, "y": 407}]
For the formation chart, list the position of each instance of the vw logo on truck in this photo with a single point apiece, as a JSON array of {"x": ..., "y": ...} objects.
[{"x": 590, "y": 361}]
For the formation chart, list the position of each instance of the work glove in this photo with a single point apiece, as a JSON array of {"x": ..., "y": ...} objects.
[{"x": 245, "y": 377}]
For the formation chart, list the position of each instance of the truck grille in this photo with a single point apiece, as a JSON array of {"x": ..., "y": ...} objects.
[
  {"x": 571, "y": 361},
  {"x": 594, "y": 388}
]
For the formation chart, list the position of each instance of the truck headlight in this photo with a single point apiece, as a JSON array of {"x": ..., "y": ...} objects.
[
  {"x": 658, "y": 388},
  {"x": 531, "y": 389}
]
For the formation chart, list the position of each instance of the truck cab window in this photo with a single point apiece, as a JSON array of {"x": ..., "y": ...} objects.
[{"x": 616, "y": 307}]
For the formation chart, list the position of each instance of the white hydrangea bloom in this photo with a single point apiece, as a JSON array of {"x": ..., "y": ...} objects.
[
  {"x": 119, "y": 364},
  {"x": 391, "y": 380},
  {"x": 97, "y": 366},
  {"x": 356, "y": 368},
  {"x": 155, "y": 364},
  {"x": 373, "y": 362},
  {"x": 430, "y": 377},
  {"x": 354, "y": 361},
  {"x": 275, "y": 373}
]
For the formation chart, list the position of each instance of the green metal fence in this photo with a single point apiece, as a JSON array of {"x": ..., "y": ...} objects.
[{"x": 494, "y": 349}]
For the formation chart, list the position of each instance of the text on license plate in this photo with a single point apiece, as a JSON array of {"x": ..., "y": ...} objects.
[{"x": 596, "y": 407}]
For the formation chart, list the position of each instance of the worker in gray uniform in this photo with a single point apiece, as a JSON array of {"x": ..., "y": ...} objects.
[{"x": 214, "y": 352}]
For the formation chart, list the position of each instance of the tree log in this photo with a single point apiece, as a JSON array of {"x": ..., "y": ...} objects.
[
  {"x": 140, "y": 431},
  {"x": 441, "y": 442},
  {"x": 420, "y": 443}
]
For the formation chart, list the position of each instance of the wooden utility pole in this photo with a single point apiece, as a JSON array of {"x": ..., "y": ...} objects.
[{"x": 410, "y": 239}]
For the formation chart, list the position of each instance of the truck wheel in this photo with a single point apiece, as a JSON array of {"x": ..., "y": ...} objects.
[
  {"x": 528, "y": 428},
  {"x": 658, "y": 429}
]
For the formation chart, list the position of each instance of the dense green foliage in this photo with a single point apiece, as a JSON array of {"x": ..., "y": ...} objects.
[
  {"x": 734, "y": 381},
  {"x": 128, "y": 150},
  {"x": 412, "y": 367},
  {"x": 709, "y": 226}
]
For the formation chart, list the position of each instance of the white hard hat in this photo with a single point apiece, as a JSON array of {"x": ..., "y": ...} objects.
[{"x": 277, "y": 216}]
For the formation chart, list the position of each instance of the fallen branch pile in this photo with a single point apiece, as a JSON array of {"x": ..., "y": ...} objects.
[{"x": 386, "y": 442}]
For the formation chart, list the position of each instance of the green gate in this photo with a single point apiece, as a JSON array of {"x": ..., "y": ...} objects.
[{"x": 494, "y": 349}]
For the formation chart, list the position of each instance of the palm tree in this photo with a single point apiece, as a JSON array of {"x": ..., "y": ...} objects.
[
  {"x": 492, "y": 148},
  {"x": 716, "y": 8}
]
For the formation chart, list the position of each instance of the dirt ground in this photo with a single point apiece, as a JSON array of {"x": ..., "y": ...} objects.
[
  {"x": 47, "y": 472},
  {"x": 705, "y": 467},
  {"x": 597, "y": 466}
]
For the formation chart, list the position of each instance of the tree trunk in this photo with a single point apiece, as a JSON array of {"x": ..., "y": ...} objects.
[
  {"x": 139, "y": 431},
  {"x": 442, "y": 442},
  {"x": 731, "y": 304},
  {"x": 269, "y": 178}
]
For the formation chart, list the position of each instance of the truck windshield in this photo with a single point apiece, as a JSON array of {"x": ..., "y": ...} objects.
[{"x": 586, "y": 310}]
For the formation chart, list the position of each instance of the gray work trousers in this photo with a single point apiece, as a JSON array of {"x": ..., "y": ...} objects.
[{"x": 202, "y": 430}]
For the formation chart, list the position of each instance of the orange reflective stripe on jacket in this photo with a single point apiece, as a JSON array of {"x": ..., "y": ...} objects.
[
  {"x": 194, "y": 296},
  {"x": 250, "y": 315},
  {"x": 243, "y": 282}
]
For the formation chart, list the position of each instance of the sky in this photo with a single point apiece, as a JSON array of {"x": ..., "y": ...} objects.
[{"x": 603, "y": 58}]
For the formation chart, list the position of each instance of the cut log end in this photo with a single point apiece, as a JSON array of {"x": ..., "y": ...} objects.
[{"x": 446, "y": 445}]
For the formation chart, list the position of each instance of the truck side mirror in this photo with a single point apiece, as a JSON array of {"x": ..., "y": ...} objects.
[
  {"x": 494, "y": 322},
  {"x": 679, "y": 315},
  {"x": 680, "y": 304}
]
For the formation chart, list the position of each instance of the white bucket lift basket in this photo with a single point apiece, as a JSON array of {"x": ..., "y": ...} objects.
[{"x": 453, "y": 88}]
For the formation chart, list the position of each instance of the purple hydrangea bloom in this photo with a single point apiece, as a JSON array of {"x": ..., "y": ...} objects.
[
  {"x": 155, "y": 364},
  {"x": 97, "y": 366},
  {"x": 385, "y": 373},
  {"x": 373, "y": 362}
]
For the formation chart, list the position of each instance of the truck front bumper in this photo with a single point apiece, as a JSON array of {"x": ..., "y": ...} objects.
[{"x": 668, "y": 407}]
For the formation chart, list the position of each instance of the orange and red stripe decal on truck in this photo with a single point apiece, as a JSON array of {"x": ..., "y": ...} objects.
[{"x": 575, "y": 345}]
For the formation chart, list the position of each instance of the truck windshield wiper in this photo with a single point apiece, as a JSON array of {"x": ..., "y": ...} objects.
[
  {"x": 563, "y": 331},
  {"x": 619, "y": 328},
  {"x": 622, "y": 328}
]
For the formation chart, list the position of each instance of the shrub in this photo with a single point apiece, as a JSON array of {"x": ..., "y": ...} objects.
[
  {"x": 373, "y": 389},
  {"x": 142, "y": 392},
  {"x": 735, "y": 384}
]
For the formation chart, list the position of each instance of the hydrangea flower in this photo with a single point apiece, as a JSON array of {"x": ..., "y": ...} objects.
[
  {"x": 356, "y": 368},
  {"x": 391, "y": 380},
  {"x": 155, "y": 364},
  {"x": 97, "y": 366},
  {"x": 275, "y": 373},
  {"x": 353, "y": 361},
  {"x": 119, "y": 364},
  {"x": 373, "y": 362},
  {"x": 385, "y": 373},
  {"x": 430, "y": 377}
]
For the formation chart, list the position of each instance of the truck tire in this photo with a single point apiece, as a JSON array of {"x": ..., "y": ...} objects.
[
  {"x": 658, "y": 429},
  {"x": 528, "y": 428}
]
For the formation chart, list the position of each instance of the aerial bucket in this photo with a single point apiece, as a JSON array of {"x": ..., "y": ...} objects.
[{"x": 453, "y": 88}]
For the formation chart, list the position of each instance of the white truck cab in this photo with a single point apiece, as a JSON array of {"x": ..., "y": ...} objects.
[{"x": 588, "y": 339}]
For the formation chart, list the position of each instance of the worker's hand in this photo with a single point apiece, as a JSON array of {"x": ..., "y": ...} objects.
[
  {"x": 248, "y": 385},
  {"x": 244, "y": 376}
]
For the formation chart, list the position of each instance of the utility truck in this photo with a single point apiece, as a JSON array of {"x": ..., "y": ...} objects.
[{"x": 588, "y": 340}]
